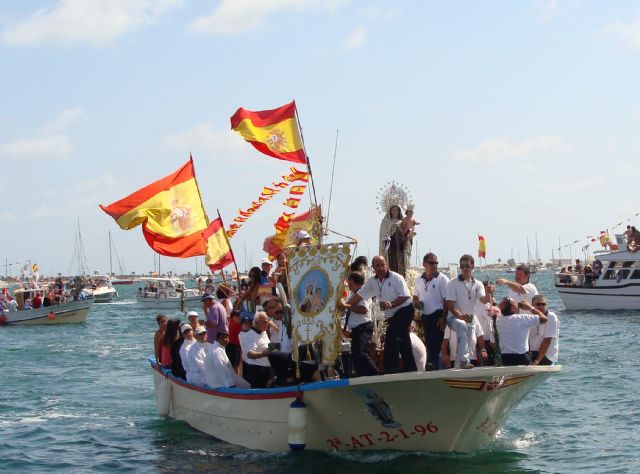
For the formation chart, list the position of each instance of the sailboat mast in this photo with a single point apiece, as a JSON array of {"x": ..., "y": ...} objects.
[{"x": 110, "y": 260}]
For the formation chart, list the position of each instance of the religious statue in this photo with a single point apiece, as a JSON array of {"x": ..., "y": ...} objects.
[{"x": 396, "y": 231}]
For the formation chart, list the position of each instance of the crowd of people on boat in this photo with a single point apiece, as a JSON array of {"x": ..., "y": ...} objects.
[
  {"x": 32, "y": 295},
  {"x": 244, "y": 337},
  {"x": 632, "y": 238}
]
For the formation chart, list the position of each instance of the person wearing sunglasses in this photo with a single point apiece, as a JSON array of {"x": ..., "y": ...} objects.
[
  {"x": 429, "y": 296},
  {"x": 462, "y": 295},
  {"x": 543, "y": 339}
]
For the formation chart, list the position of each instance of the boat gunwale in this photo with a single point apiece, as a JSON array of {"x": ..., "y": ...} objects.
[{"x": 296, "y": 390}]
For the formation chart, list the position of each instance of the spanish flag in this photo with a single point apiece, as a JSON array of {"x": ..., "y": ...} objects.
[
  {"x": 219, "y": 253},
  {"x": 170, "y": 211},
  {"x": 308, "y": 221},
  {"x": 482, "y": 247},
  {"x": 272, "y": 132}
]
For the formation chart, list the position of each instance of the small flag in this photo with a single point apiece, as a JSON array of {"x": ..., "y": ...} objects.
[
  {"x": 272, "y": 132},
  {"x": 219, "y": 253},
  {"x": 482, "y": 247}
]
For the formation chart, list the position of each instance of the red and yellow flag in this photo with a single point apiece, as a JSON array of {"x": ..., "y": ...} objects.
[
  {"x": 170, "y": 211},
  {"x": 482, "y": 247},
  {"x": 219, "y": 253},
  {"x": 272, "y": 132},
  {"x": 285, "y": 236}
]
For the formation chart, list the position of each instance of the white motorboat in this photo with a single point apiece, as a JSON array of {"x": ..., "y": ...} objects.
[
  {"x": 398, "y": 411},
  {"x": 167, "y": 293},
  {"x": 615, "y": 283},
  {"x": 75, "y": 311},
  {"x": 102, "y": 289}
]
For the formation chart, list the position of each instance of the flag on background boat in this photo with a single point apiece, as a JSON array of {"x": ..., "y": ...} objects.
[
  {"x": 219, "y": 253},
  {"x": 273, "y": 132},
  {"x": 482, "y": 247},
  {"x": 170, "y": 211}
]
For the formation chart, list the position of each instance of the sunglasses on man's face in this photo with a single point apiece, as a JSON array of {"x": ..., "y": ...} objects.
[
  {"x": 432, "y": 263},
  {"x": 464, "y": 267}
]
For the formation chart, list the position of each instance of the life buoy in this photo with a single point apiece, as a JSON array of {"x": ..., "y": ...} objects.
[
  {"x": 51, "y": 316},
  {"x": 162, "y": 294},
  {"x": 209, "y": 289},
  {"x": 173, "y": 294},
  {"x": 3, "y": 319}
]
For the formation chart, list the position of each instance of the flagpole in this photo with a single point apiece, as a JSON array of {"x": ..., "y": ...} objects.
[
  {"x": 313, "y": 185},
  {"x": 224, "y": 232}
]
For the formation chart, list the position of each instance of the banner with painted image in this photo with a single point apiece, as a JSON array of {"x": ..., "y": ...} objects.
[{"x": 316, "y": 279}]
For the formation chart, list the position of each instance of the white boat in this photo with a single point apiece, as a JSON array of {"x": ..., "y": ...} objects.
[
  {"x": 441, "y": 411},
  {"x": 167, "y": 293},
  {"x": 63, "y": 313},
  {"x": 438, "y": 411},
  {"x": 102, "y": 289},
  {"x": 616, "y": 283}
]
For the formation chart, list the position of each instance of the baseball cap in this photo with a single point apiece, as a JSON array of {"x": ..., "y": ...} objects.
[
  {"x": 206, "y": 296},
  {"x": 185, "y": 327},
  {"x": 192, "y": 313},
  {"x": 200, "y": 330}
]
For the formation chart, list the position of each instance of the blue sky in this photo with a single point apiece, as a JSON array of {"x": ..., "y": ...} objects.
[{"x": 501, "y": 118}]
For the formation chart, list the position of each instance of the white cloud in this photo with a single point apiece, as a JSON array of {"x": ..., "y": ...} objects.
[
  {"x": 629, "y": 33},
  {"x": 64, "y": 120},
  {"x": 95, "y": 21},
  {"x": 54, "y": 146},
  {"x": 238, "y": 16},
  {"x": 495, "y": 150},
  {"x": 544, "y": 10},
  {"x": 52, "y": 143},
  {"x": 356, "y": 39},
  {"x": 205, "y": 141}
]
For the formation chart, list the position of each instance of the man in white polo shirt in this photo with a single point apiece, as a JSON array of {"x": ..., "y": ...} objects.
[
  {"x": 392, "y": 294},
  {"x": 429, "y": 295},
  {"x": 463, "y": 293},
  {"x": 522, "y": 288},
  {"x": 513, "y": 329},
  {"x": 543, "y": 339}
]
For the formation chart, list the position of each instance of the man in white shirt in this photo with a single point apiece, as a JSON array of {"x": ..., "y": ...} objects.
[
  {"x": 393, "y": 296},
  {"x": 255, "y": 351},
  {"x": 280, "y": 357},
  {"x": 359, "y": 327},
  {"x": 196, "y": 356},
  {"x": 450, "y": 345},
  {"x": 522, "y": 288},
  {"x": 189, "y": 340},
  {"x": 513, "y": 330},
  {"x": 463, "y": 293},
  {"x": 429, "y": 295},
  {"x": 544, "y": 338},
  {"x": 218, "y": 369}
]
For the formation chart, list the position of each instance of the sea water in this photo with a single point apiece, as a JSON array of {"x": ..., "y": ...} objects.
[{"x": 79, "y": 398}]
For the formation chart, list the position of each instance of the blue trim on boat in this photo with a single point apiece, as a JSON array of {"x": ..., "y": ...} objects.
[{"x": 257, "y": 391}]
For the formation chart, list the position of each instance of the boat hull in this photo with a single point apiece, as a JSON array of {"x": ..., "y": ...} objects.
[
  {"x": 441, "y": 411},
  {"x": 106, "y": 296},
  {"x": 67, "y": 313},
  {"x": 608, "y": 298},
  {"x": 169, "y": 303}
]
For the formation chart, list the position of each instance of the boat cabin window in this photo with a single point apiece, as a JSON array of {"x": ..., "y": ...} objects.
[
  {"x": 627, "y": 264},
  {"x": 635, "y": 275}
]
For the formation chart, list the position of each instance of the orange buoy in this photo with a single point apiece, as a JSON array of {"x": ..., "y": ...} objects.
[
  {"x": 3, "y": 319},
  {"x": 51, "y": 316}
]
